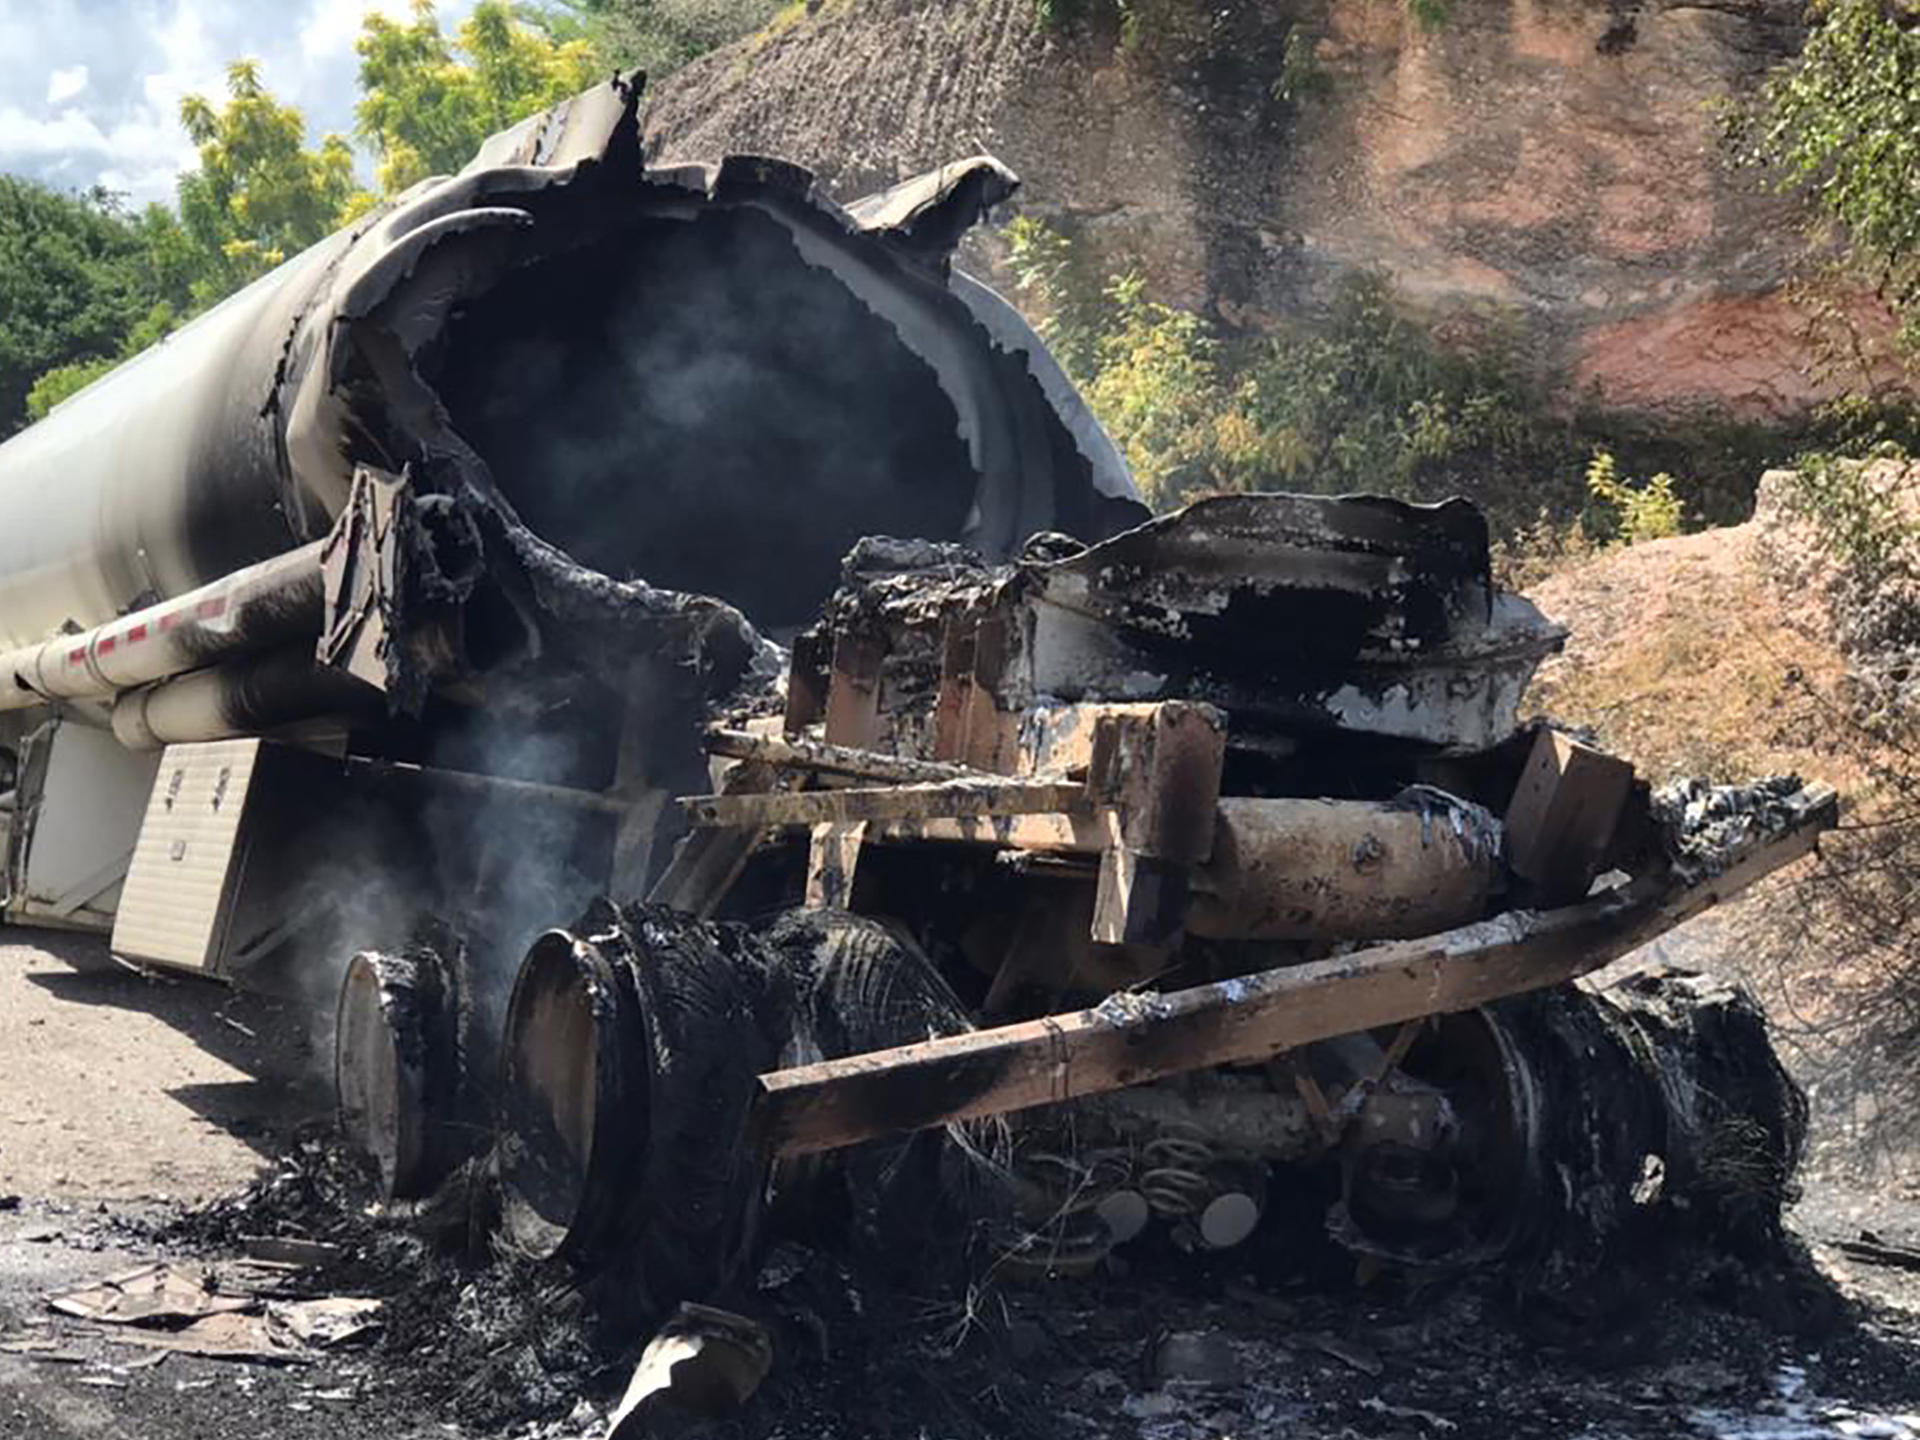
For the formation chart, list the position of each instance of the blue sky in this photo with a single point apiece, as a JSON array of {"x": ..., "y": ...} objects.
[{"x": 90, "y": 89}]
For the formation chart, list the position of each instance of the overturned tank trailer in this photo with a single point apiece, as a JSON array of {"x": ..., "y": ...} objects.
[{"x": 576, "y": 528}]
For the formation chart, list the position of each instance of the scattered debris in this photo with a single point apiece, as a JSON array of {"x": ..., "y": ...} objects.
[
  {"x": 1438, "y": 1424},
  {"x": 326, "y": 1324},
  {"x": 704, "y": 1364},
  {"x": 1872, "y": 1250},
  {"x": 1350, "y": 1352},
  {"x": 47, "y": 1350},
  {"x": 251, "y": 1338},
  {"x": 290, "y": 1250},
  {"x": 158, "y": 1294},
  {"x": 174, "y": 1306}
]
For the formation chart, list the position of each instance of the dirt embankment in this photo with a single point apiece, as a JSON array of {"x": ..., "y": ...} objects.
[
  {"x": 1716, "y": 654},
  {"x": 1551, "y": 172}
]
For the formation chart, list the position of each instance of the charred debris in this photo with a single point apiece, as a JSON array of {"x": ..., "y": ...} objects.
[{"x": 1139, "y": 899}]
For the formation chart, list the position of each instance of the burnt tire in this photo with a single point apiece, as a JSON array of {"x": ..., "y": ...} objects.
[
  {"x": 632, "y": 1047},
  {"x": 713, "y": 1016},
  {"x": 859, "y": 986}
]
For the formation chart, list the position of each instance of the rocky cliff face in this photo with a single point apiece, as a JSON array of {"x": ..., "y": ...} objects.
[{"x": 1547, "y": 168}]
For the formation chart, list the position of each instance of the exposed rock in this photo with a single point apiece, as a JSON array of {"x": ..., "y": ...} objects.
[{"x": 1550, "y": 169}]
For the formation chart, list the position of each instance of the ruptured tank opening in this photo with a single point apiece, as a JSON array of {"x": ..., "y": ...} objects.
[{"x": 692, "y": 403}]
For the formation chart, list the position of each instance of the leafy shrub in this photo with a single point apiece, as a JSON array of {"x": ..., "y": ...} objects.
[
  {"x": 1860, "y": 521},
  {"x": 660, "y": 36},
  {"x": 1837, "y": 125},
  {"x": 1637, "y": 511}
]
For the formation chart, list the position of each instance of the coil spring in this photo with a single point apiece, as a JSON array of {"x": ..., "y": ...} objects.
[{"x": 1174, "y": 1175}]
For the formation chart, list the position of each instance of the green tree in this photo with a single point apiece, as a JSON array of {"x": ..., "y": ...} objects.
[
  {"x": 425, "y": 109},
  {"x": 260, "y": 195},
  {"x": 65, "y": 380},
  {"x": 1840, "y": 125},
  {"x": 73, "y": 282}
]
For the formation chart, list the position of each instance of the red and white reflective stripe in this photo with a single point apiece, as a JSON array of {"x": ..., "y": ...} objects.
[{"x": 77, "y": 665}]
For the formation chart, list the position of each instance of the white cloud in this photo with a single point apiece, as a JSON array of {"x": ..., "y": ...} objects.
[
  {"x": 24, "y": 134},
  {"x": 110, "y": 112},
  {"x": 65, "y": 84},
  {"x": 330, "y": 33}
]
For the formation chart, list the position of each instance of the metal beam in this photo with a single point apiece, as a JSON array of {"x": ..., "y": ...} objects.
[
  {"x": 1130, "y": 1039},
  {"x": 893, "y": 802}
]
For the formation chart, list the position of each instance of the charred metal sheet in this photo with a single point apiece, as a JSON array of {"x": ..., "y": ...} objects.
[
  {"x": 1364, "y": 614},
  {"x": 1292, "y": 613}
]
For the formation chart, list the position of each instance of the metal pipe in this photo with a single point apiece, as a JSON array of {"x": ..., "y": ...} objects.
[
  {"x": 250, "y": 696},
  {"x": 1345, "y": 869},
  {"x": 264, "y": 605}
]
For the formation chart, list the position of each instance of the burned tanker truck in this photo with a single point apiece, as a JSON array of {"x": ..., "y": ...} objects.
[{"x": 673, "y": 666}]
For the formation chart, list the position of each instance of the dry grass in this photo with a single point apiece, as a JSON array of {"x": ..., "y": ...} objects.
[
  {"x": 1687, "y": 658},
  {"x": 1683, "y": 658}
]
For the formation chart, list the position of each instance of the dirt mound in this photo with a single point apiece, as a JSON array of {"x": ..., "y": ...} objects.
[{"x": 1718, "y": 654}]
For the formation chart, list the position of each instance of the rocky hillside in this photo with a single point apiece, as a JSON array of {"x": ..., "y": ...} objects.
[{"x": 1549, "y": 169}]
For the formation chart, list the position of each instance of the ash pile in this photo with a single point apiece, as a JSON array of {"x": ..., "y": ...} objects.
[{"x": 1187, "y": 899}]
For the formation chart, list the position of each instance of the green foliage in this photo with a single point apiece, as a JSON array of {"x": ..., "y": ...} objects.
[
  {"x": 1156, "y": 386},
  {"x": 66, "y": 380},
  {"x": 428, "y": 102},
  {"x": 260, "y": 195},
  {"x": 1302, "y": 77},
  {"x": 1636, "y": 511},
  {"x": 1365, "y": 399},
  {"x": 1148, "y": 370},
  {"x": 84, "y": 285},
  {"x": 62, "y": 381},
  {"x": 1860, "y": 522},
  {"x": 1840, "y": 125},
  {"x": 76, "y": 274},
  {"x": 1069, "y": 295},
  {"x": 660, "y": 36}
]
